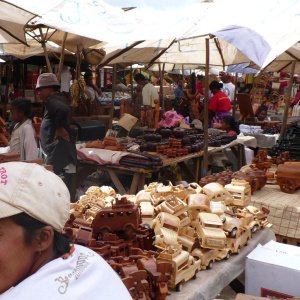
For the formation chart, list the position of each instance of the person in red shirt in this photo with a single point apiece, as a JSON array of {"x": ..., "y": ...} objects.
[{"x": 219, "y": 104}]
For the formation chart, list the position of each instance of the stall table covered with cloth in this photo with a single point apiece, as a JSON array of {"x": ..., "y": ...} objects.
[
  {"x": 210, "y": 283},
  {"x": 284, "y": 210}
]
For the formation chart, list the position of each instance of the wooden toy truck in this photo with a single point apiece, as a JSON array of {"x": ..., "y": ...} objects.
[
  {"x": 210, "y": 231},
  {"x": 288, "y": 176},
  {"x": 185, "y": 266},
  {"x": 122, "y": 216}
]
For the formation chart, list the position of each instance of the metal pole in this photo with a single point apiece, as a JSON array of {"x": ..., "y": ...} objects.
[
  {"x": 287, "y": 102},
  {"x": 205, "y": 124}
]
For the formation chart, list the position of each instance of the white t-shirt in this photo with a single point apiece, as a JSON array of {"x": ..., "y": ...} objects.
[
  {"x": 228, "y": 89},
  {"x": 149, "y": 94},
  {"x": 82, "y": 276}
]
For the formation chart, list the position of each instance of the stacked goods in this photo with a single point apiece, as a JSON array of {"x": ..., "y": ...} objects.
[
  {"x": 180, "y": 141},
  {"x": 142, "y": 160},
  {"x": 256, "y": 177},
  {"x": 289, "y": 142},
  {"x": 193, "y": 227},
  {"x": 109, "y": 143},
  {"x": 223, "y": 178}
]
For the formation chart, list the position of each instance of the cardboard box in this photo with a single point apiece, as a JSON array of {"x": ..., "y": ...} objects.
[{"x": 273, "y": 270}]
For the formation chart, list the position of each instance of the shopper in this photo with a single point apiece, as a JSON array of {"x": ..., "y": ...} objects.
[
  {"x": 37, "y": 260},
  {"x": 228, "y": 86},
  {"x": 56, "y": 139},
  {"x": 22, "y": 139},
  {"x": 230, "y": 125},
  {"x": 219, "y": 104},
  {"x": 200, "y": 85},
  {"x": 150, "y": 94}
]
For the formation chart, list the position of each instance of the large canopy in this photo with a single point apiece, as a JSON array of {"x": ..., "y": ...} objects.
[{"x": 12, "y": 22}]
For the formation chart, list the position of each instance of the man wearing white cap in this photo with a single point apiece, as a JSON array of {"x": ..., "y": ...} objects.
[
  {"x": 37, "y": 260},
  {"x": 56, "y": 140}
]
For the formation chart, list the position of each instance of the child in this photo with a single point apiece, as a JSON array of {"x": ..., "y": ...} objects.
[
  {"x": 23, "y": 139},
  {"x": 230, "y": 125}
]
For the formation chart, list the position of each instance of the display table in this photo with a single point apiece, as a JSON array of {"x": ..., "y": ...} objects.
[
  {"x": 266, "y": 141},
  {"x": 284, "y": 210},
  {"x": 139, "y": 174},
  {"x": 210, "y": 283}
]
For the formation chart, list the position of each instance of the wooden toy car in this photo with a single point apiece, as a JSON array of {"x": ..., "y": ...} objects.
[
  {"x": 260, "y": 215},
  {"x": 185, "y": 266},
  {"x": 240, "y": 191},
  {"x": 166, "y": 228},
  {"x": 122, "y": 216},
  {"x": 288, "y": 176},
  {"x": 197, "y": 203},
  {"x": 176, "y": 207},
  {"x": 188, "y": 238},
  {"x": 209, "y": 256},
  {"x": 210, "y": 231},
  {"x": 241, "y": 239},
  {"x": 217, "y": 192}
]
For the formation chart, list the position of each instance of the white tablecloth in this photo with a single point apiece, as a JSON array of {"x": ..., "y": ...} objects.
[{"x": 210, "y": 283}]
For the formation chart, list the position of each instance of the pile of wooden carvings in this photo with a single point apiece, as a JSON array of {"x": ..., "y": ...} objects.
[
  {"x": 254, "y": 176},
  {"x": 193, "y": 227},
  {"x": 279, "y": 170}
]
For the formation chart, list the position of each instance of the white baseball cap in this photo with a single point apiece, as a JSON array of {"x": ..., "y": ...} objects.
[
  {"x": 30, "y": 188},
  {"x": 46, "y": 80}
]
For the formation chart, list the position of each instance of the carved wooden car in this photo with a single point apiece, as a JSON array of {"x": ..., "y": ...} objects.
[
  {"x": 177, "y": 207},
  {"x": 122, "y": 216},
  {"x": 185, "y": 266},
  {"x": 288, "y": 176},
  {"x": 216, "y": 192},
  {"x": 209, "y": 256},
  {"x": 210, "y": 231},
  {"x": 241, "y": 239},
  {"x": 166, "y": 228}
]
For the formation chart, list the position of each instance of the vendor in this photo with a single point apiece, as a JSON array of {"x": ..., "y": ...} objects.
[
  {"x": 93, "y": 92},
  {"x": 37, "y": 260},
  {"x": 219, "y": 104},
  {"x": 149, "y": 92},
  {"x": 230, "y": 125},
  {"x": 57, "y": 142},
  {"x": 22, "y": 139},
  {"x": 262, "y": 113}
]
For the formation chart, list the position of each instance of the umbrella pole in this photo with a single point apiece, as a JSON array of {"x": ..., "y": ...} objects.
[
  {"x": 234, "y": 98},
  {"x": 62, "y": 56},
  {"x": 43, "y": 42},
  {"x": 205, "y": 123},
  {"x": 287, "y": 100},
  {"x": 182, "y": 71}
]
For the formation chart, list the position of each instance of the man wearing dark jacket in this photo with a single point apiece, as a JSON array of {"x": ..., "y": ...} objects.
[{"x": 56, "y": 139}]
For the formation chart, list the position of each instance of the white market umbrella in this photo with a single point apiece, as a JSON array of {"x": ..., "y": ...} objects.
[{"x": 12, "y": 23}]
